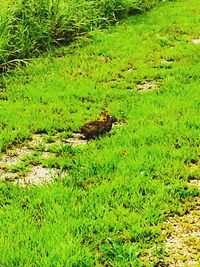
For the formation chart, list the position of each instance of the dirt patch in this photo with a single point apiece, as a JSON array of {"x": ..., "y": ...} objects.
[
  {"x": 148, "y": 86},
  {"x": 183, "y": 244},
  {"x": 196, "y": 41},
  {"x": 77, "y": 140},
  {"x": 12, "y": 157},
  {"x": 182, "y": 235},
  {"x": 36, "y": 141},
  {"x": 195, "y": 182},
  {"x": 22, "y": 165},
  {"x": 46, "y": 155},
  {"x": 7, "y": 176},
  {"x": 39, "y": 175},
  {"x": 34, "y": 173},
  {"x": 183, "y": 241}
]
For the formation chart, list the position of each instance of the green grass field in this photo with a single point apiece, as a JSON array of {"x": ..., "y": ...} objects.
[{"x": 122, "y": 186}]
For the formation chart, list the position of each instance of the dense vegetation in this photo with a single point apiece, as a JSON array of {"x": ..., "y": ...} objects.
[
  {"x": 29, "y": 27},
  {"x": 121, "y": 187}
]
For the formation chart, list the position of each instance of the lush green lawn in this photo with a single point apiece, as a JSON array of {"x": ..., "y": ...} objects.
[{"x": 122, "y": 186}]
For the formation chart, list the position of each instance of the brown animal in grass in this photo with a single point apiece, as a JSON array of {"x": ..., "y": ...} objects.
[{"x": 95, "y": 128}]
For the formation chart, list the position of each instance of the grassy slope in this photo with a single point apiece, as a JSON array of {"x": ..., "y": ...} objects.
[{"x": 122, "y": 186}]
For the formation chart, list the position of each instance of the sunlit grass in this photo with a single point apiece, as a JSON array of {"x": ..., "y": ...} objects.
[{"x": 122, "y": 186}]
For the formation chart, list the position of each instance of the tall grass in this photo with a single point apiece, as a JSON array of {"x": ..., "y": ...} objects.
[{"x": 32, "y": 26}]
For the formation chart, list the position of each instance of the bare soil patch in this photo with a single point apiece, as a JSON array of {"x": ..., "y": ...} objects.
[
  {"x": 182, "y": 238},
  {"x": 36, "y": 173},
  {"x": 183, "y": 243},
  {"x": 196, "y": 41},
  {"x": 148, "y": 86},
  {"x": 23, "y": 164},
  {"x": 12, "y": 157},
  {"x": 183, "y": 232},
  {"x": 77, "y": 140}
]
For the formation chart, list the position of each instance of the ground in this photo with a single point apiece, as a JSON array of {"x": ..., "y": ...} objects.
[{"x": 121, "y": 199}]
